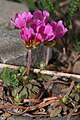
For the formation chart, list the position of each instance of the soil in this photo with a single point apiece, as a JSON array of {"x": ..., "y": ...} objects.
[{"x": 53, "y": 94}]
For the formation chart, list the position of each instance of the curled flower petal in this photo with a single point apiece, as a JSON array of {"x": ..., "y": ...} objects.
[
  {"x": 45, "y": 32},
  {"x": 39, "y": 37},
  {"x": 39, "y": 18},
  {"x": 49, "y": 32},
  {"x": 27, "y": 34},
  {"x": 35, "y": 23},
  {"x": 27, "y": 16},
  {"x": 58, "y": 29},
  {"x": 37, "y": 15},
  {"x": 54, "y": 25},
  {"x": 46, "y": 16},
  {"x": 18, "y": 21}
]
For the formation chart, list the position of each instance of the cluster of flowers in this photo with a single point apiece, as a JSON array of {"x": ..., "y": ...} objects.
[{"x": 36, "y": 29}]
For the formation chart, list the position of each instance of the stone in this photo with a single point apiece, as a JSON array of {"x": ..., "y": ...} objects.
[
  {"x": 30, "y": 118},
  {"x": 19, "y": 118},
  {"x": 12, "y": 50},
  {"x": 8, "y": 9},
  {"x": 39, "y": 55},
  {"x": 76, "y": 67}
]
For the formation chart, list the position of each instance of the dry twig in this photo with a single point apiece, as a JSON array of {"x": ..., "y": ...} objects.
[
  {"x": 70, "y": 88},
  {"x": 71, "y": 112},
  {"x": 53, "y": 73}
]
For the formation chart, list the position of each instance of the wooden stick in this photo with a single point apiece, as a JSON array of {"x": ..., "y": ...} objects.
[
  {"x": 15, "y": 67},
  {"x": 55, "y": 73},
  {"x": 69, "y": 115},
  {"x": 47, "y": 72}
]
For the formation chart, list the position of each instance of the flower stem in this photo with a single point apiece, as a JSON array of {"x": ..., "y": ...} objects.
[
  {"x": 47, "y": 55},
  {"x": 29, "y": 62}
]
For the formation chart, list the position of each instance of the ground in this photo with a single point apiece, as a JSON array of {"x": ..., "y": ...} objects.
[{"x": 12, "y": 51}]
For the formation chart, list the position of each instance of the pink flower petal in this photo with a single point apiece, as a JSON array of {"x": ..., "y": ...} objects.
[
  {"x": 39, "y": 37},
  {"x": 18, "y": 21},
  {"x": 46, "y": 15},
  {"x": 27, "y": 16},
  {"x": 27, "y": 34},
  {"x": 37, "y": 15},
  {"x": 58, "y": 29}
]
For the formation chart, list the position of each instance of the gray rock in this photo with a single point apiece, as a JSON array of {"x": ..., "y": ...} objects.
[
  {"x": 39, "y": 55},
  {"x": 76, "y": 67},
  {"x": 8, "y": 9},
  {"x": 30, "y": 118},
  {"x": 19, "y": 118},
  {"x": 13, "y": 51}
]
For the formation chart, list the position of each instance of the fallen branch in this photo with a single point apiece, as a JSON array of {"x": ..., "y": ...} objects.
[
  {"x": 11, "y": 107},
  {"x": 70, "y": 88},
  {"x": 14, "y": 67},
  {"x": 31, "y": 100},
  {"x": 53, "y": 73},
  {"x": 44, "y": 103},
  {"x": 71, "y": 112}
]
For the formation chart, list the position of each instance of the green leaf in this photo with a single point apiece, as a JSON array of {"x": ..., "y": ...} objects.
[
  {"x": 14, "y": 80},
  {"x": 74, "y": 4},
  {"x": 9, "y": 77},
  {"x": 22, "y": 69},
  {"x": 17, "y": 98},
  {"x": 5, "y": 76},
  {"x": 65, "y": 99},
  {"x": 42, "y": 65},
  {"x": 56, "y": 111},
  {"x": 78, "y": 86},
  {"x": 77, "y": 97}
]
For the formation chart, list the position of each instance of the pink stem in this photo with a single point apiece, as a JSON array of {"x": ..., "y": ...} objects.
[
  {"x": 29, "y": 62},
  {"x": 47, "y": 55}
]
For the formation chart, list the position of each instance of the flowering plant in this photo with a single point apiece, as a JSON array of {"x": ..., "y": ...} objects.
[{"x": 36, "y": 28}]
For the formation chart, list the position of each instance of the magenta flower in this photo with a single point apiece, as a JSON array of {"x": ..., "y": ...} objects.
[
  {"x": 46, "y": 16},
  {"x": 38, "y": 15},
  {"x": 39, "y": 18},
  {"x": 18, "y": 21},
  {"x": 45, "y": 33},
  {"x": 35, "y": 23},
  {"x": 58, "y": 29},
  {"x": 23, "y": 20},
  {"x": 27, "y": 34},
  {"x": 29, "y": 37},
  {"x": 35, "y": 29},
  {"x": 27, "y": 16}
]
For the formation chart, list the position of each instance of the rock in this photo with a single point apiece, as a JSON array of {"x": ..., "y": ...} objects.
[
  {"x": 76, "y": 67},
  {"x": 5, "y": 115},
  {"x": 19, "y": 118},
  {"x": 14, "y": 0},
  {"x": 13, "y": 51},
  {"x": 8, "y": 9},
  {"x": 1, "y": 112},
  {"x": 30, "y": 118},
  {"x": 39, "y": 55}
]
